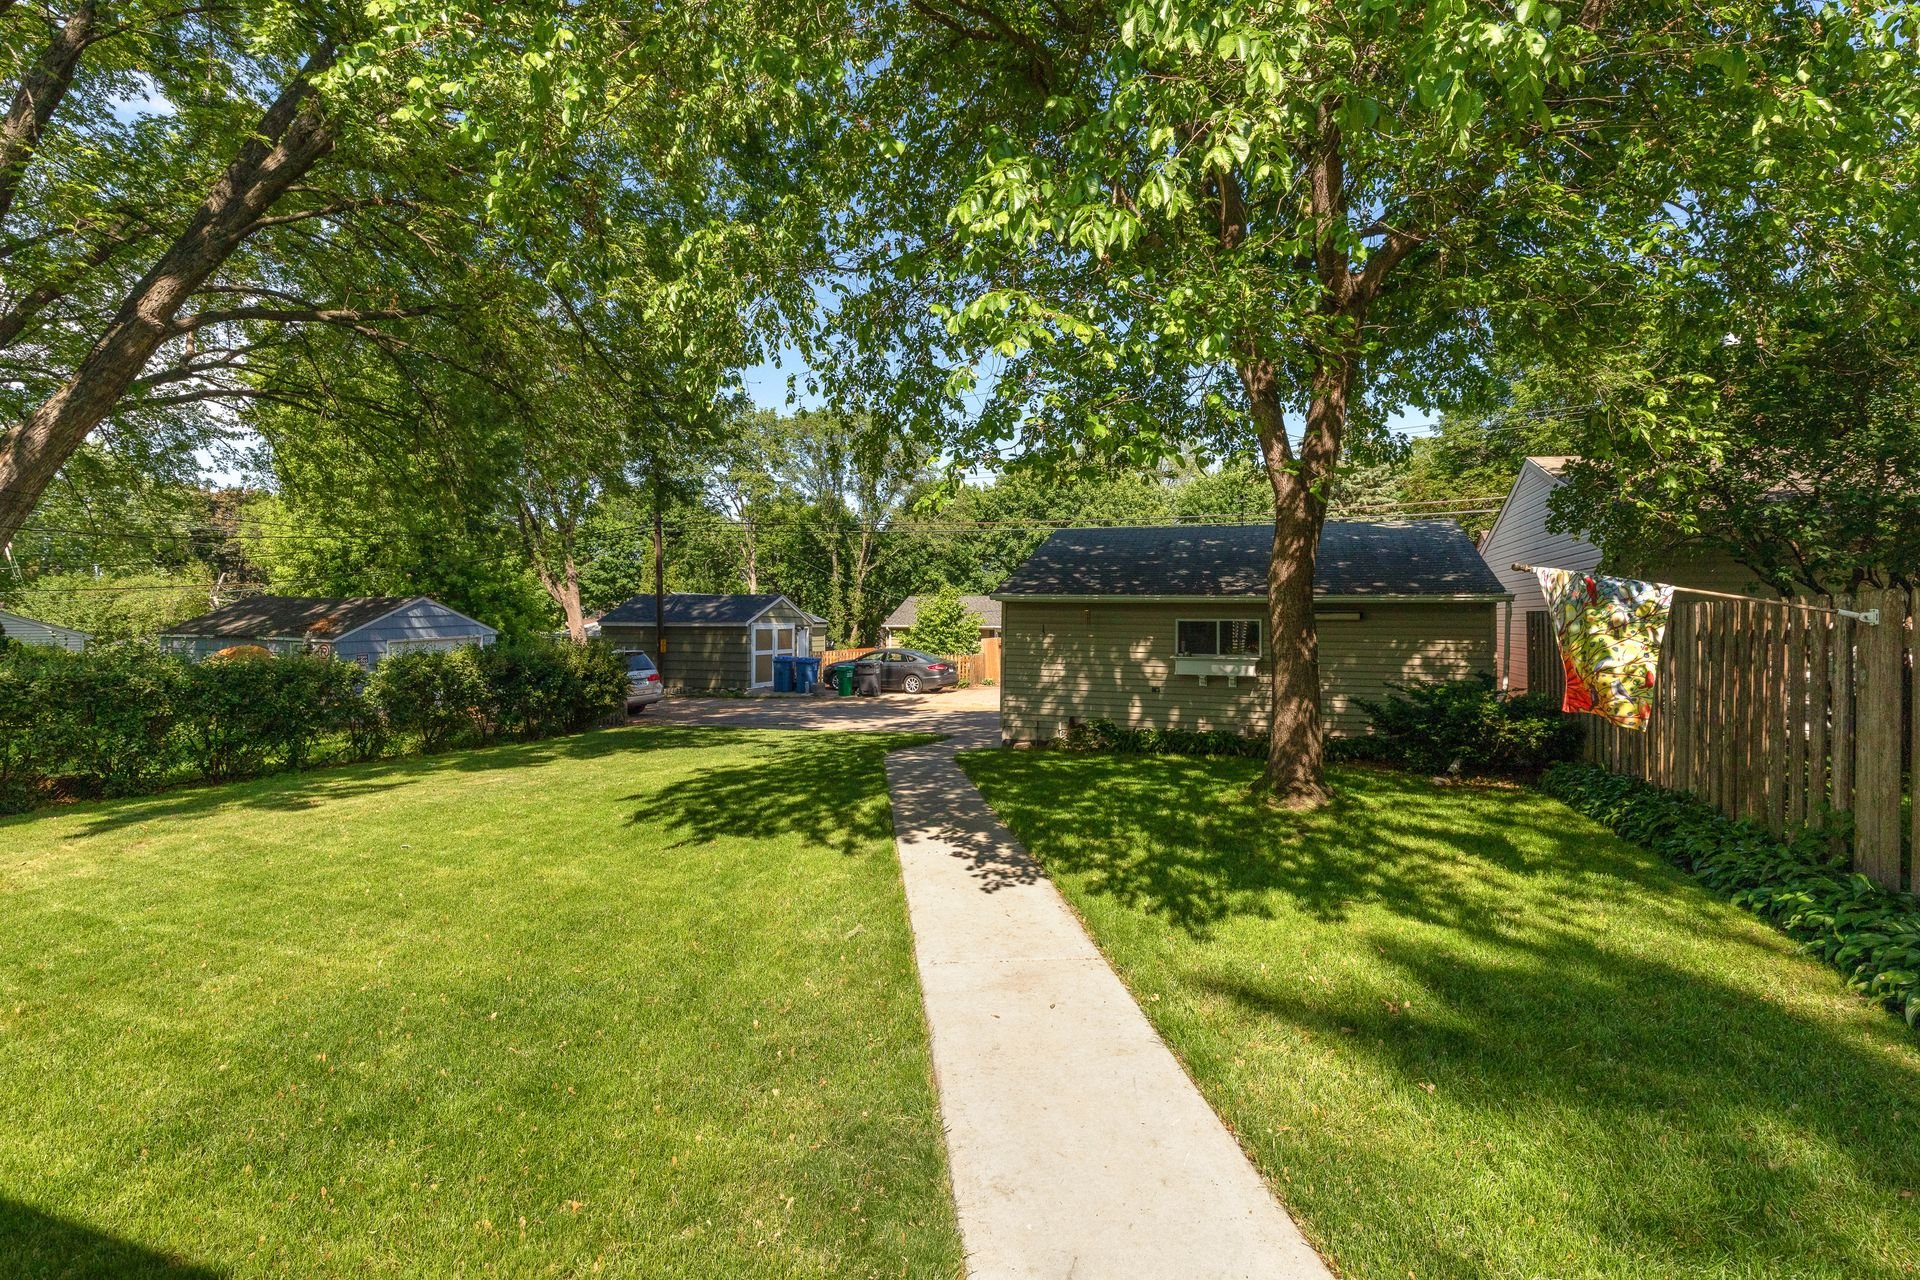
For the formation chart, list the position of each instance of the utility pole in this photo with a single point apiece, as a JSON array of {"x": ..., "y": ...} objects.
[{"x": 659, "y": 581}]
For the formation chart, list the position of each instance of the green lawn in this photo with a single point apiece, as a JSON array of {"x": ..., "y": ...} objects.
[
  {"x": 1466, "y": 1033},
  {"x": 639, "y": 1003}
]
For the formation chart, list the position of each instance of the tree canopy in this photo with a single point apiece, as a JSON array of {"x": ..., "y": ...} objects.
[{"x": 1156, "y": 224}]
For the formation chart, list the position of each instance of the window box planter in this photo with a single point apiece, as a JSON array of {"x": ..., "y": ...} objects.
[{"x": 1234, "y": 667}]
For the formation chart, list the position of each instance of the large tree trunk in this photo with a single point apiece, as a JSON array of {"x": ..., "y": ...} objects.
[
  {"x": 569, "y": 597},
  {"x": 563, "y": 589},
  {"x": 1295, "y": 773},
  {"x": 857, "y": 588},
  {"x": 836, "y": 593},
  {"x": 753, "y": 558},
  {"x": 292, "y": 136},
  {"x": 38, "y": 98}
]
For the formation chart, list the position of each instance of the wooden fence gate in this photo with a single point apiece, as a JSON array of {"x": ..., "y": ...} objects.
[{"x": 1781, "y": 715}]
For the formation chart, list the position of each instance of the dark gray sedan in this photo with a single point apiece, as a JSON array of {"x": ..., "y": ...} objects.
[
  {"x": 901, "y": 671},
  {"x": 911, "y": 671}
]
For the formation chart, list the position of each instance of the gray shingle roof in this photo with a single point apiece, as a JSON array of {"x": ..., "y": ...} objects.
[
  {"x": 909, "y": 611},
  {"x": 1412, "y": 558},
  {"x": 318, "y": 616},
  {"x": 685, "y": 609}
]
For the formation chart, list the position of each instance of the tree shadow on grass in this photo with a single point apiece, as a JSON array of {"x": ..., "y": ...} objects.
[
  {"x": 39, "y": 1246},
  {"x": 1688, "y": 1104},
  {"x": 1556, "y": 988},
  {"x": 299, "y": 792},
  {"x": 1176, "y": 837},
  {"x": 829, "y": 788}
]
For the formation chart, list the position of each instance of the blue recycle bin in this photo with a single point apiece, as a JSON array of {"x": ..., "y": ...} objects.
[
  {"x": 806, "y": 674},
  {"x": 783, "y": 674}
]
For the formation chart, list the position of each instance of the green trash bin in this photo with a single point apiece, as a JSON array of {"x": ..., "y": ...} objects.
[{"x": 843, "y": 680}]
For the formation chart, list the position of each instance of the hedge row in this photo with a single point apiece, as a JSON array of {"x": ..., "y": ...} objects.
[
  {"x": 1105, "y": 735},
  {"x": 1869, "y": 934},
  {"x": 1458, "y": 726},
  {"x": 127, "y": 719}
]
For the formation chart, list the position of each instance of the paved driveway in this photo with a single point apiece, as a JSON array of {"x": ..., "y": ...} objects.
[{"x": 971, "y": 716}]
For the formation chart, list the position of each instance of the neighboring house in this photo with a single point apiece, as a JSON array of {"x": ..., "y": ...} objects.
[
  {"x": 900, "y": 621},
  {"x": 1166, "y": 627},
  {"x": 716, "y": 642},
  {"x": 1519, "y": 536},
  {"x": 362, "y": 629},
  {"x": 33, "y": 631}
]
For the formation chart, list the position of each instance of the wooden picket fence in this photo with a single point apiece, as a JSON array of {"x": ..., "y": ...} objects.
[
  {"x": 832, "y": 656},
  {"x": 1781, "y": 716},
  {"x": 975, "y": 668}
]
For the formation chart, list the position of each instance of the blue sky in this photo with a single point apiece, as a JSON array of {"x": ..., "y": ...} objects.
[{"x": 766, "y": 385}]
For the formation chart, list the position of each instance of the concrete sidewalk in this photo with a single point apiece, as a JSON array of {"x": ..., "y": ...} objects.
[{"x": 1078, "y": 1145}]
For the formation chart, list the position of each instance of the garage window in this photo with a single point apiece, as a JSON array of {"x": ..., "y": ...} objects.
[{"x": 1217, "y": 638}]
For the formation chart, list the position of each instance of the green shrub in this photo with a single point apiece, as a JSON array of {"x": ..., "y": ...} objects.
[
  {"x": 1869, "y": 934},
  {"x": 1464, "y": 726},
  {"x": 943, "y": 624},
  {"x": 22, "y": 744},
  {"x": 123, "y": 719},
  {"x": 537, "y": 688},
  {"x": 525, "y": 688},
  {"x": 1105, "y": 735},
  {"x": 227, "y": 711},
  {"x": 106, "y": 717},
  {"x": 522, "y": 690},
  {"x": 240, "y": 716},
  {"x": 436, "y": 696},
  {"x": 598, "y": 694}
]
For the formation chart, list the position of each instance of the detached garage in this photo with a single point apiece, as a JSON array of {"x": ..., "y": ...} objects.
[
  {"x": 716, "y": 642},
  {"x": 1165, "y": 627}
]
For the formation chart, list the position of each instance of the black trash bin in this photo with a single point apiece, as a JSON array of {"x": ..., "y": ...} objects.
[{"x": 866, "y": 677}]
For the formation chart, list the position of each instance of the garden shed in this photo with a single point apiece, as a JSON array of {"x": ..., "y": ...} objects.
[
  {"x": 1165, "y": 627},
  {"x": 25, "y": 630},
  {"x": 362, "y": 629},
  {"x": 716, "y": 641}
]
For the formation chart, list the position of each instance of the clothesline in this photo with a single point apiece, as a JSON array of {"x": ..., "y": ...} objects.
[{"x": 1869, "y": 616}]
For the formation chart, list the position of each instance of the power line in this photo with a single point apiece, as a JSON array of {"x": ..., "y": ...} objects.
[
  {"x": 183, "y": 588},
  {"x": 1385, "y": 509}
]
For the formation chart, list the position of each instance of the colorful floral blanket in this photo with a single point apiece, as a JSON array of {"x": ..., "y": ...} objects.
[{"x": 1609, "y": 631}]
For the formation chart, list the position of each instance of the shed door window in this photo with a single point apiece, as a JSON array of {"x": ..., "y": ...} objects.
[
  {"x": 763, "y": 639},
  {"x": 1217, "y": 638}
]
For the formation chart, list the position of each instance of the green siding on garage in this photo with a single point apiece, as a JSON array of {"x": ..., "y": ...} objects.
[
  {"x": 697, "y": 658},
  {"x": 1114, "y": 661},
  {"x": 707, "y": 659}
]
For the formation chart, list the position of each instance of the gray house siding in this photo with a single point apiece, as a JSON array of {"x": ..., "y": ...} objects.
[
  {"x": 423, "y": 624},
  {"x": 1114, "y": 661},
  {"x": 1520, "y": 536},
  {"x": 33, "y": 631},
  {"x": 418, "y": 624}
]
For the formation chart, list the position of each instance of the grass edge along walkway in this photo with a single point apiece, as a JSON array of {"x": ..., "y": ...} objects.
[
  {"x": 1078, "y": 1147},
  {"x": 1465, "y": 1032},
  {"x": 638, "y": 1002}
]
